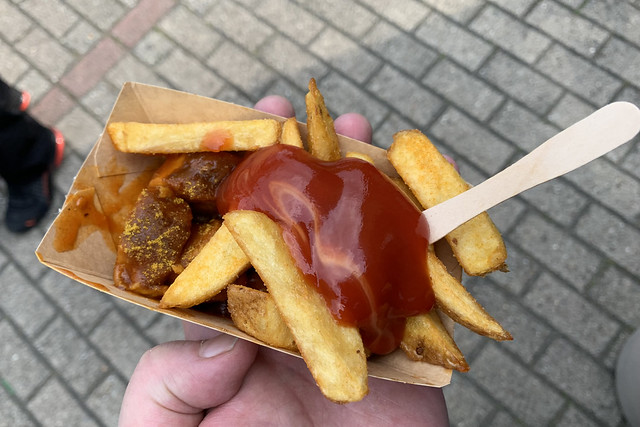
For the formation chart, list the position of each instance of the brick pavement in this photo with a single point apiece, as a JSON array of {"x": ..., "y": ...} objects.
[{"x": 487, "y": 80}]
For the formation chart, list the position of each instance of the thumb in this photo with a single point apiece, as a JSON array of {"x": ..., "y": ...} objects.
[{"x": 175, "y": 382}]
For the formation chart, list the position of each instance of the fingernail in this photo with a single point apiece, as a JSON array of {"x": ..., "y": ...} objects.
[{"x": 217, "y": 346}]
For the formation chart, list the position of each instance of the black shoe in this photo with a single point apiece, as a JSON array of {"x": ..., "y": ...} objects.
[{"x": 30, "y": 201}]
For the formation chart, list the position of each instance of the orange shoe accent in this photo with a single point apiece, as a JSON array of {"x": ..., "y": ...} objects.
[
  {"x": 26, "y": 100},
  {"x": 59, "y": 139}
]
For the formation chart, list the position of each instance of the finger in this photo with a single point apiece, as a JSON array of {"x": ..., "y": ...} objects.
[
  {"x": 175, "y": 382},
  {"x": 276, "y": 104},
  {"x": 354, "y": 126}
]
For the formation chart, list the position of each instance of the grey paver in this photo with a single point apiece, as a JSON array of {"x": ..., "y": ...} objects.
[
  {"x": 105, "y": 400},
  {"x": 349, "y": 17},
  {"x": 512, "y": 118},
  {"x": 53, "y": 396},
  {"x": 13, "y": 22},
  {"x": 568, "y": 111},
  {"x": 185, "y": 71},
  {"x": 522, "y": 269},
  {"x": 49, "y": 56},
  {"x": 187, "y": 29},
  {"x": 569, "y": 312},
  {"x": 517, "y": 7},
  {"x": 12, "y": 66},
  {"x": 102, "y": 13},
  {"x": 471, "y": 405},
  {"x": 511, "y": 34},
  {"x": 620, "y": 17},
  {"x": 238, "y": 23},
  {"x": 383, "y": 135},
  {"x": 621, "y": 58},
  {"x": 291, "y": 19},
  {"x": 567, "y": 27},
  {"x": 571, "y": 370},
  {"x": 558, "y": 199},
  {"x": 462, "y": 10},
  {"x": 82, "y": 37},
  {"x": 55, "y": 16},
  {"x": 534, "y": 90},
  {"x": 455, "y": 41},
  {"x": 407, "y": 14},
  {"x": 153, "y": 47},
  {"x": 81, "y": 130}
]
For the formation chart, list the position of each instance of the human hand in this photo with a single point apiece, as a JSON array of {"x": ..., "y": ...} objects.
[{"x": 216, "y": 379}]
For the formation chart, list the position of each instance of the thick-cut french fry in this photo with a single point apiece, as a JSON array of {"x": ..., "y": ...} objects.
[
  {"x": 334, "y": 353},
  {"x": 217, "y": 265},
  {"x": 291, "y": 133},
  {"x": 457, "y": 303},
  {"x": 477, "y": 244},
  {"x": 425, "y": 339},
  {"x": 152, "y": 138},
  {"x": 361, "y": 156},
  {"x": 322, "y": 140},
  {"x": 255, "y": 313}
]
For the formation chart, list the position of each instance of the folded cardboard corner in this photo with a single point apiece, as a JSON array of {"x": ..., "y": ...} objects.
[{"x": 106, "y": 172}]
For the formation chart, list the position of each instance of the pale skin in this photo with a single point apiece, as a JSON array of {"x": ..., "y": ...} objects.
[{"x": 212, "y": 379}]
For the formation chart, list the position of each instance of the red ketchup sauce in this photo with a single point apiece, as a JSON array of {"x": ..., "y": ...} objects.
[{"x": 352, "y": 233}]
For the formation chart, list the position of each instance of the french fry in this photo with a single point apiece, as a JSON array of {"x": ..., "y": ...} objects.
[
  {"x": 334, "y": 353},
  {"x": 322, "y": 140},
  {"x": 151, "y": 138},
  {"x": 255, "y": 313},
  {"x": 361, "y": 156},
  {"x": 457, "y": 303},
  {"x": 217, "y": 265},
  {"x": 425, "y": 339},
  {"x": 477, "y": 244},
  {"x": 291, "y": 133}
]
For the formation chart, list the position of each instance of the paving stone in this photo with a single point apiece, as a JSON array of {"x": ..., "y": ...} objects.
[
  {"x": 522, "y": 269},
  {"x": 517, "y": 7},
  {"x": 405, "y": 95},
  {"x": 35, "y": 83},
  {"x": 502, "y": 418},
  {"x": 400, "y": 49},
  {"x": 67, "y": 171},
  {"x": 201, "y": 7},
  {"x": 85, "y": 307},
  {"x": 619, "y": 294},
  {"x": 100, "y": 100},
  {"x": 518, "y": 389},
  {"x": 462, "y": 134},
  {"x": 22, "y": 302},
  {"x": 567, "y": 27},
  {"x": 578, "y": 75},
  {"x": 631, "y": 162},
  {"x": 510, "y": 34},
  {"x": 71, "y": 356},
  {"x": 345, "y": 97},
  {"x": 454, "y": 41},
  {"x": 512, "y": 119},
  {"x": 345, "y": 55},
  {"x": 12, "y": 66},
  {"x": 153, "y": 47},
  {"x": 621, "y": 58},
  {"x": 467, "y": 341},
  {"x": 189, "y": 30},
  {"x": 188, "y": 74},
  {"x": 164, "y": 329},
  {"x": 557, "y": 199},
  {"x": 102, "y": 13},
  {"x": 463, "y": 89},
  {"x": 292, "y": 92},
  {"x": 506, "y": 214},
  {"x": 534, "y": 90},
  {"x": 12, "y": 414},
  {"x": 572, "y": 314},
  {"x": 568, "y": 111},
  {"x": 240, "y": 68},
  {"x": 407, "y": 14},
  {"x": 106, "y": 399},
  {"x": 604, "y": 182},
  {"x": 13, "y": 22},
  {"x": 141, "y": 316},
  {"x": 619, "y": 17},
  {"x": 291, "y": 19},
  {"x": 230, "y": 94},
  {"x": 49, "y": 56},
  {"x": 585, "y": 381},
  {"x": 291, "y": 61},
  {"x": 555, "y": 248},
  {"x": 469, "y": 405},
  {"x": 349, "y": 17},
  {"x": 383, "y": 135},
  {"x": 46, "y": 405},
  {"x": 130, "y": 69},
  {"x": 239, "y": 24},
  {"x": 461, "y": 10},
  {"x": 21, "y": 371},
  {"x": 529, "y": 334},
  {"x": 575, "y": 417},
  {"x": 80, "y": 129},
  {"x": 109, "y": 336},
  {"x": 54, "y": 16}
]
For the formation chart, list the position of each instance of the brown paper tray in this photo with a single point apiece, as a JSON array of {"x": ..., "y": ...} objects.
[{"x": 92, "y": 261}]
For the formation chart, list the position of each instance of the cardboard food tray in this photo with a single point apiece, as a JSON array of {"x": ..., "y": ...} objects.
[{"x": 92, "y": 259}]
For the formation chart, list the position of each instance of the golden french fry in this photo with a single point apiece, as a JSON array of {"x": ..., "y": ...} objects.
[
  {"x": 457, "y": 303},
  {"x": 217, "y": 265},
  {"x": 255, "y": 313},
  {"x": 322, "y": 139},
  {"x": 291, "y": 133},
  {"x": 361, "y": 156},
  {"x": 477, "y": 244},
  {"x": 152, "y": 138},
  {"x": 425, "y": 339},
  {"x": 334, "y": 353}
]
